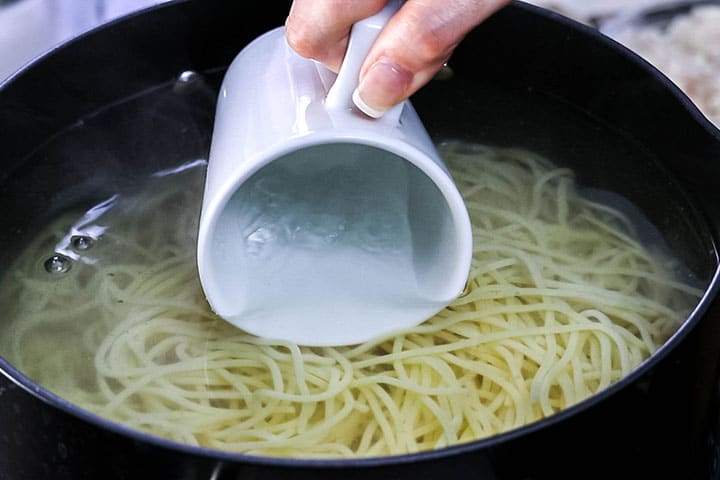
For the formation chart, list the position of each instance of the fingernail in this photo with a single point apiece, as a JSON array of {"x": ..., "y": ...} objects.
[{"x": 383, "y": 86}]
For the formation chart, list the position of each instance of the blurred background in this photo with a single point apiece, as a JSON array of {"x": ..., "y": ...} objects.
[
  {"x": 681, "y": 38},
  {"x": 30, "y": 27}
]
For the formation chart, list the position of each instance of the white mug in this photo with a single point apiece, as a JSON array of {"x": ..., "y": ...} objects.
[{"x": 320, "y": 225}]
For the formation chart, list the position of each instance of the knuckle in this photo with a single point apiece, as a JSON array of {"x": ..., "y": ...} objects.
[
  {"x": 430, "y": 47},
  {"x": 429, "y": 39}
]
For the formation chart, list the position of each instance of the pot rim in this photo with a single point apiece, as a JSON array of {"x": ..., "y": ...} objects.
[{"x": 54, "y": 400}]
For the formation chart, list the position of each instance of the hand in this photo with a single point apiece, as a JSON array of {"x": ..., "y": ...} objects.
[{"x": 414, "y": 45}]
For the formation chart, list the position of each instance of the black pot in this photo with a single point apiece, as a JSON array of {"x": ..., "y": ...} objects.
[{"x": 526, "y": 77}]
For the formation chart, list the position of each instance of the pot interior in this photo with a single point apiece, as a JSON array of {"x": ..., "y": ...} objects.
[{"x": 103, "y": 211}]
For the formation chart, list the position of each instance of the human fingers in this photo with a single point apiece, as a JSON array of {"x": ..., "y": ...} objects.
[
  {"x": 319, "y": 29},
  {"x": 413, "y": 46}
]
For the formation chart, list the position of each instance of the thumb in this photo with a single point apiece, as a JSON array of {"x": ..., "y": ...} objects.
[{"x": 413, "y": 46}]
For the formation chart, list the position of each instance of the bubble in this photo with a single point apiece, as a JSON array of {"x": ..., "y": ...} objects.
[
  {"x": 445, "y": 73},
  {"x": 259, "y": 240},
  {"x": 82, "y": 242},
  {"x": 58, "y": 264},
  {"x": 188, "y": 82}
]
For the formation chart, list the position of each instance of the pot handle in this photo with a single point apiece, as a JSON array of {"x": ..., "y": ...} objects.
[{"x": 362, "y": 36}]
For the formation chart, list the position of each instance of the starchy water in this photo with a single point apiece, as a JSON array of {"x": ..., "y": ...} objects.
[{"x": 320, "y": 241}]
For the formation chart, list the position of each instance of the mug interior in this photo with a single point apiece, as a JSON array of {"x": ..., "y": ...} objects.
[{"x": 334, "y": 230}]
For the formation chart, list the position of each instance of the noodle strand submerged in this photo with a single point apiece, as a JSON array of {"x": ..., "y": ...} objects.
[{"x": 561, "y": 302}]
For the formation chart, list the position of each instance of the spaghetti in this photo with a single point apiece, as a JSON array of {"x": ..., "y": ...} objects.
[{"x": 561, "y": 302}]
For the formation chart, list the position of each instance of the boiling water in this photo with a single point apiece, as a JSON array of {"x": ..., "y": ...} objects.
[{"x": 105, "y": 309}]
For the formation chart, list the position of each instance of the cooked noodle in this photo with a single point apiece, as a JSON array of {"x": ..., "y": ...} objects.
[{"x": 561, "y": 302}]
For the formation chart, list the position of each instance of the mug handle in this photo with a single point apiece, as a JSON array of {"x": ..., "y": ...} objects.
[{"x": 362, "y": 36}]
